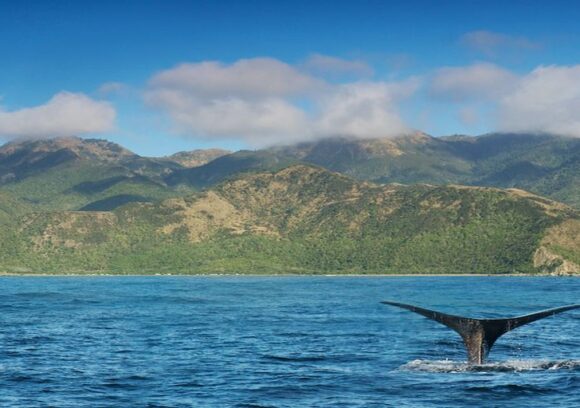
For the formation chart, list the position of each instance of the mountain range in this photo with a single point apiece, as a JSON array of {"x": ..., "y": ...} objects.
[
  {"x": 543, "y": 164},
  {"x": 415, "y": 204},
  {"x": 75, "y": 173}
]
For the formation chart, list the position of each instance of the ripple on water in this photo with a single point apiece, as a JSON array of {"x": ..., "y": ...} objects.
[
  {"x": 511, "y": 389},
  {"x": 294, "y": 359}
]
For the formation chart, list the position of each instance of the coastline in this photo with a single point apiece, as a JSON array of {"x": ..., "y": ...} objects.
[{"x": 283, "y": 275}]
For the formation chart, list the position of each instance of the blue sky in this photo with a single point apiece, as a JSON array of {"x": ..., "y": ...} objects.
[{"x": 109, "y": 68}]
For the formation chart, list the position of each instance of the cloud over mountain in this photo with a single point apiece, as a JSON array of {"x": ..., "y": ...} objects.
[
  {"x": 264, "y": 101},
  {"x": 545, "y": 100},
  {"x": 64, "y": 114},
  {"x": 473, "y": 82},
  {"x": 364, "y": 109}
]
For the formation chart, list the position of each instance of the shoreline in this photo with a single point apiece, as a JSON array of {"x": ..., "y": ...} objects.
[{"x": 283, "y": 275}]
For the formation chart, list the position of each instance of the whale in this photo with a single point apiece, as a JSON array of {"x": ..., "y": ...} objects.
[{"x": 479, "y": 335}]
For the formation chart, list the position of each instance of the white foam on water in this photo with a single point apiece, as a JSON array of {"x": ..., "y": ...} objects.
[{"x": 449, "y": 366}]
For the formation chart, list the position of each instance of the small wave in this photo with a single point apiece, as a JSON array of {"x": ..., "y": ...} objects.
[
  {"x": 79, "y": 301},
  {"x": 24, "y": 378},
  {"x": 40, "y": 295},
  {"x": 172, "y": 299},
  {"x": 189, "y": 384},
  {"x": 294, "y": 334},
  {"x": 137, "y": 377},
  {"x": 448, "y": 366},
  {"x": 300, "y": 359},
  {"x": 511, "y": 389}
]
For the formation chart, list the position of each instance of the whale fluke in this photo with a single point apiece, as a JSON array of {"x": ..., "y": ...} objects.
[{"x": 479, "y": 335}]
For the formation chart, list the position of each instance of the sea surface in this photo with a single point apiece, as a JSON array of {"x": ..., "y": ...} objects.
[{"x": 280, "y": 342}]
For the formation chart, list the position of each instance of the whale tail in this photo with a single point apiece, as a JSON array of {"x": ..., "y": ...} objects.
[{"x": 479, "y": 335}]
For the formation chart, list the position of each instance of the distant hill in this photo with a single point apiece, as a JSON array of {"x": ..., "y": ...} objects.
[
  {"x": 196, "y": 158},
  {"x": 230, "y": 165},
  {"x": 544, "y": 164},
  {"x": 73, "y": 173},
  {"x": 304, "y": 219}
]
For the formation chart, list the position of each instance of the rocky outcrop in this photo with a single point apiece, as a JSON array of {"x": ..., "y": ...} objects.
[{"x": 554, "y": 264}]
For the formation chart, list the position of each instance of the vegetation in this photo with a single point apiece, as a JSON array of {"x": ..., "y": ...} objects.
[
  {"x": 300, "y": 219},
  {"x": 544, "y": 164},
  {"x": 73, "y": 173},
  {"x": 10, "y": 209},
  {"x": 196, "y": 158},
  {"x": 264, "y": 212}
]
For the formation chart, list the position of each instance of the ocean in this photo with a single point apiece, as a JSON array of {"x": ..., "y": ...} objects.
[{"x": 216, "y": 341}]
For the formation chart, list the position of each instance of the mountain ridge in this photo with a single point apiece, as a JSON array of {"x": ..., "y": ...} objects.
[
  {"x": 197, "y": 157},
  {"x": 72, "y": 173},
  {"x": 544, "y": 164}
]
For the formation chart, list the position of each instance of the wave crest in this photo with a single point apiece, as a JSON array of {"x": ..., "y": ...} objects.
[{"x": 448, "y": 366}]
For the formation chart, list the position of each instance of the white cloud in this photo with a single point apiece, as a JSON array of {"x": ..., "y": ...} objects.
[
  {"x": 257, "y": 121},
  {"x": 474, "y": 82},
  {"x": 264, "y": 102},
  {"x": 491, "y": 43},
  {"x": 255, "y": 77},
  {"x": 325, "y": 64},
  {"x": 545, "y": 100},
  {"x": 364, "y": 110},
  {"x": 65, "y": 114}
]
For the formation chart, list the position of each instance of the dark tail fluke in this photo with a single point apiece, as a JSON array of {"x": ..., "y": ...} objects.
[{"x": 479, "y": 335}]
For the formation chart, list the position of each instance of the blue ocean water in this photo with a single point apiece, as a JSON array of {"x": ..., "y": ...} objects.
[{"x": 280, "y": 342}]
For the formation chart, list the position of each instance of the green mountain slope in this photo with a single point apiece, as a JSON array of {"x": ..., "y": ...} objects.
[
  {"x": 11, "y": 209},
  {"x": 224, "y": 167},
  {"x": 545, "y": 164},
  {"x": 196, "y": 158},
  {"x": 73, "y": 173},
  {"x": 60, "y": 173},
  {"x": 304, "y": 219}
]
